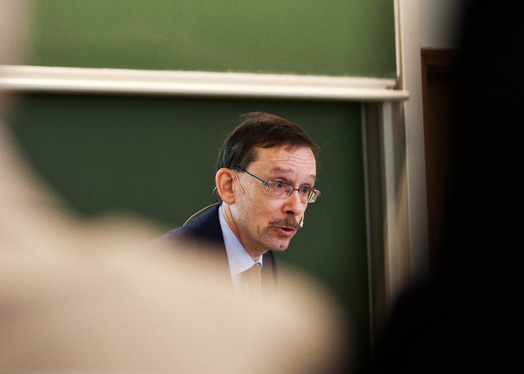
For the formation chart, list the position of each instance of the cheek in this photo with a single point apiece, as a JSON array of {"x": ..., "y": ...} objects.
[
  {"x": 250, "y": 210},
  {"x": 260, "y": 211},
  {"x": 270, "y": 210},
  {"x": 258, "y": 208}
]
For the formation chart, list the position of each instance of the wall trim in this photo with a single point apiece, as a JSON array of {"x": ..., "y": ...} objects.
[
  {"x": 396, "y": 178},
  {"x": 195, "y": 83},
  {"x": 415, "y": 166}
]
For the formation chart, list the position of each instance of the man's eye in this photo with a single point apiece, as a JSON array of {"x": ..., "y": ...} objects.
[
  {"x": 279, "y": 184},
  {"x": 304, "y": 190}
]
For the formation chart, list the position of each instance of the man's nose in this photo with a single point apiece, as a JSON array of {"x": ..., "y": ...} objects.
[{"x": 294, "y": 204}]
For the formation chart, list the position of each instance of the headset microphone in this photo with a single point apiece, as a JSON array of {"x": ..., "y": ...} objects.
[{"x": 301, "y": 223}]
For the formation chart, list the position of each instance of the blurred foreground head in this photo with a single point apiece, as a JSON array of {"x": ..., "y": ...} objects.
[
  {"x": 74, "y": 298},
  {"x": 66, "y": 312},
  {"x": 11, "y": 15}
]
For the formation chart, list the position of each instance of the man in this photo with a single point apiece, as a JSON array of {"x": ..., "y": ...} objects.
[{"x": 266, "y": 171}]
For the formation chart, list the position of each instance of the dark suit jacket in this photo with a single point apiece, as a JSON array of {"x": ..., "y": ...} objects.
[{"x": 204, "y": 237}]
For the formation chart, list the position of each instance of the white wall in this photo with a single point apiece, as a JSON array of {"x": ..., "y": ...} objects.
[{"x": 440, "y": 22}]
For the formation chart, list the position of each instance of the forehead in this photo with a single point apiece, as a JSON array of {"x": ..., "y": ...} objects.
[{"x": 285, "y": 159}]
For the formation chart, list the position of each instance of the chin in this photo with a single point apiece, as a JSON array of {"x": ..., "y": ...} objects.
[{"x": 281, "y": 247}]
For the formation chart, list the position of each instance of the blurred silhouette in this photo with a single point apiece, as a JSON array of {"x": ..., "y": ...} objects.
[
  {"x": 76, "y": 297},
  {"x": 468, "y": 316}
]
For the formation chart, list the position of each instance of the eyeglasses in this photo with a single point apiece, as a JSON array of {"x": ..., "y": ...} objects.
[{"x": 283, "y": 190}]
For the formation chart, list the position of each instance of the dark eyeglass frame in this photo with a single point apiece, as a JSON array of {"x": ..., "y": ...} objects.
[{"x": 311, "y": 195}]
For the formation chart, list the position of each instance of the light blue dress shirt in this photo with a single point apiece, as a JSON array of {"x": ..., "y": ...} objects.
[{"x": 237, "y": 256}]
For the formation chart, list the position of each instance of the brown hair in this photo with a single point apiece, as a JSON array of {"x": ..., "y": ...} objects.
[{"x": 260, "y": 130}]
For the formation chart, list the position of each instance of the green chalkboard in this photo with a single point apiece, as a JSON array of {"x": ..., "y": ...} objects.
[
  {"x": 156, "y": 156},
  {"x": 331, "y": 37}
]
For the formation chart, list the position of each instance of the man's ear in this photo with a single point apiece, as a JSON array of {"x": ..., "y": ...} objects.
[{"x": 225, "y": 181}]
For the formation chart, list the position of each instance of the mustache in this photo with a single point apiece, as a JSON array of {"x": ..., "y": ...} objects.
[{"x": 288, "y": 222}]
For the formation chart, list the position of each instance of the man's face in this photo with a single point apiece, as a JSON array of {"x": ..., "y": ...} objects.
[{"x": 265, "y": 222}]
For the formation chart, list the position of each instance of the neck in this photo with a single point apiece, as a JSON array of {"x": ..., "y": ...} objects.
[{"x": 228, "y": 215}]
